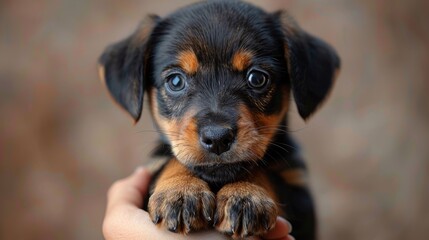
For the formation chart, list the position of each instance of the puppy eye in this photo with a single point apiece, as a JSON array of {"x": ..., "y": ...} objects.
[
  {"x": 176, "y": 82},
  {"x": 257, "y": 79}
]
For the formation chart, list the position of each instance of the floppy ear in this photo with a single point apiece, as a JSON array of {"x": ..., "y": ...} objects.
[
  {"x": 122, "y": 68},
  {"x": 312, "y": 65}
]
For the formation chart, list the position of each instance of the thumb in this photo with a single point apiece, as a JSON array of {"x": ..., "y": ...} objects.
[
  {"x": 129, "y": 191},
  {"x": 280, "y": 231}
]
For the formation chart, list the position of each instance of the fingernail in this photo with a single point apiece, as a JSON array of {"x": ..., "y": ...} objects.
[
  {"x": 290, "y": 227},
  {"x": 287, "y": 222}
]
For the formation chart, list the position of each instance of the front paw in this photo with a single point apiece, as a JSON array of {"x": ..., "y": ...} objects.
[
  {"x": 244, "y": 209},
  {"x": 182, "y": 209}
]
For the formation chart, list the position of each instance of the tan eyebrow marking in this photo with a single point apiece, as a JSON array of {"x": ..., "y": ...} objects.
[
  {"x": 241, "y": 60},
  {"x": 188, "y": 61}
]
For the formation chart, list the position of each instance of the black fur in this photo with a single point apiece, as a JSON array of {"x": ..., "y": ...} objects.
[
  {"x": 294, "y": 60},
  {"x": 124, "y": 68},
  {"x": 215, "y": 31}
]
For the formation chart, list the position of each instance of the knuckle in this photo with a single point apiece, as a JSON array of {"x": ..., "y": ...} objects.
[
  {"x": 114, "y": 225},
  {"x": 116, "y": 186},
  {"x": 110, "y": 229}
]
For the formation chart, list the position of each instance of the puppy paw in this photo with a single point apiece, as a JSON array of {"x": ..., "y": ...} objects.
[
  {"x": 182, "y": 209},
  {"x": 243, "y": 210}
]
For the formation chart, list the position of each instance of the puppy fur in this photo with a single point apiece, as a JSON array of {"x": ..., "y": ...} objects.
[{"x": 219, "y": 76}]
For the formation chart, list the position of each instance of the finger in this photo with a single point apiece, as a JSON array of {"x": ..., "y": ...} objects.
[
  {"x": 129, "y": 191},
  {"x": 280, "y": 231},
  {"x": 289, "y": 237},
  {"x": 125, "y": 220},
  {"x": 130, "y": 224}
]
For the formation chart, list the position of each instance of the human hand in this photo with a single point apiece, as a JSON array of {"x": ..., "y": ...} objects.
[{"x": 125, "y": 219}]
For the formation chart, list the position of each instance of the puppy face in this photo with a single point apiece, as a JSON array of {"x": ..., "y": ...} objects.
[
  {"x": 217, "y": 94},
  {"x": 219, "y": 77}
]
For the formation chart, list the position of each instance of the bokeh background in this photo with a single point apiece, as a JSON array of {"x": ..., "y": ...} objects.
[{"x": 63, "y": 142}]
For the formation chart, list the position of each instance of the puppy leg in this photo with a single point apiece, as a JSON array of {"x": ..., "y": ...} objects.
[
  {"x": 246, "y": 208},
  {"x": 298, "y": 206},
  {"x": 180, "y": 201}
]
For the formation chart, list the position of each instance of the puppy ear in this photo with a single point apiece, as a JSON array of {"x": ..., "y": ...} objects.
[
  {"x": 312, "y": 65},
  {"x": 122, "y": 66}
]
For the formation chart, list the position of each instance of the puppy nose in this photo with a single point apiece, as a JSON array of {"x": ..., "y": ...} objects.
[{"x": 216, "y": 139}]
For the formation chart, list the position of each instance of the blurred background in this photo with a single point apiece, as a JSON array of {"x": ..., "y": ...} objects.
[{"x": 63, "y": 142}]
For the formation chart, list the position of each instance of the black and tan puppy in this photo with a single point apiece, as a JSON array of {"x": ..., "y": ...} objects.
[{"x": 219, "y": 76}]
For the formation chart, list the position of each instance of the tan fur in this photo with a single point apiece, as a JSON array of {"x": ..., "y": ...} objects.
[
  {"x": 268, "y": 124},
  {"x": 182, "y": 133},
  {"x": 296, "y": 177},
  {"x": 241, "y": 60},
  {"x": 101, "y": 74},
  {"x": 255, "y": 198},
  {"x": 249, "y": 138},
  {"x": 256, "y": 130},
  {"x": 175, "y": 188},
  {"x": 188, "y": 61}
]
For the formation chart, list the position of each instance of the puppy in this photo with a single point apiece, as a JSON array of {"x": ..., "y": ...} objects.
[{"x": 219, "y": 76}]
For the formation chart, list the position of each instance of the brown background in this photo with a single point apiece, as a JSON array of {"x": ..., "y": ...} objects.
[{"x": 63, "y": 142}]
